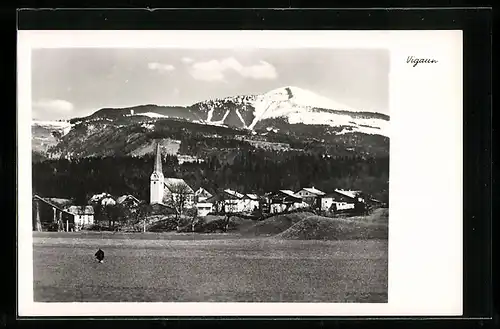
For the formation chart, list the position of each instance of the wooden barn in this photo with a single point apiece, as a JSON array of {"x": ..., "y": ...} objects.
[{"x": 49, "y": 214}]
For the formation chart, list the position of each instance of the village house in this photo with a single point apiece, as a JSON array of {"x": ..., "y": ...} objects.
[
  {"x": 285, "y": 200},
  {"x": 204, "y": 208},
  {"x": 251, "y": 202},
  {"x": 129, "y": 201},
  {"x": 202, "y": 195},
  {"x": 233, "y": 201},
  {"x": 97, "y": 198},
  {"x": 175, "y": 189},
  {"x": 335, "y": 201},
  {"x": 216, "y": 203},
  {"x": 311, "y": 195},
  {"x": 83, "y": 216},
  {"x": 358, "y": 196},
  {"x": 102, "y": 200}
]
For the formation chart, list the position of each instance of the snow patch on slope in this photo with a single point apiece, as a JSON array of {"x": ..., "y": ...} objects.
[
  {"x": 61, "y": 126},
  {"x": 241, "y": 118},
  {"x": 151, "y": 115}
]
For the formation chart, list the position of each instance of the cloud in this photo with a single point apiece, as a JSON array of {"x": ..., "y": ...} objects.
[
  {"x": 161, "y": 67},
  {"x": 214, "y": 70},
  {"x": 187, "y": 60},
  {"x": 57, "y": 105},
  {"x": 52, "y": 108}
]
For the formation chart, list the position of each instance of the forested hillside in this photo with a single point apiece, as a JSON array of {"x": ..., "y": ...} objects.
[{"x": 246, "y": 171}]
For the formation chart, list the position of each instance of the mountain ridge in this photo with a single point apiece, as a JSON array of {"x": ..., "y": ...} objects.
[
  {"x": 287, "y": 118},
  {"x": 295, "y": 104}
]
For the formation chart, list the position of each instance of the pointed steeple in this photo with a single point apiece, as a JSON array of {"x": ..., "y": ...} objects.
[
  {"x": 158, "y": 167},
  {"x": 157, "y": 179}
]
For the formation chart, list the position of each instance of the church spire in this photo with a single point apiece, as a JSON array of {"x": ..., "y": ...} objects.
[
  {"x": 158, "y": 167},
  {"x": 157, "y": 180}
]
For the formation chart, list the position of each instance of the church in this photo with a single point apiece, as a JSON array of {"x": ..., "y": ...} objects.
[{"x": 168, "y": 191}]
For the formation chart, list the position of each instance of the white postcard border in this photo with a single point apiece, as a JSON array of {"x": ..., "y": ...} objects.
[{"x": 425, "y": 231}]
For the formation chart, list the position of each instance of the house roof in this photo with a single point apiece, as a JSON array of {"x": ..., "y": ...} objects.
[
  {"x": 126, "y": 197},
  {"x": 171, "y": 183},
  {"x": 234, "y": 193},
  {"x": 336, "y": 196},
  {"x": 108, "y": 201},
  {"x": 99, "y": 197},
  {"x": 290, "y": 193},
  {"x": 60, "y": 202},
  {"x": 313, "y": 190},
  {"x": 252, "y": 196},
  {"x": 77, "y": 210},
  {"x": 202, "y": 190},
  {"x": 50, "y": 203},
  {"x": 214, "y": 198},
  {"x": 285, "y": 194},
  {"x": 348, "y": 193}
]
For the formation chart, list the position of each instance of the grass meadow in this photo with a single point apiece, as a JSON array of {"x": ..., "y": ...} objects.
[{"x": 192, "y": 267}]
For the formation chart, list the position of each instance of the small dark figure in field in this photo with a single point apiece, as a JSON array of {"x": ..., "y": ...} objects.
[{"x": 99, "y": 255}]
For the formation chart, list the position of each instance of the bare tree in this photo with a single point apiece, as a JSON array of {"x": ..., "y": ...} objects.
[
  {"x": 193, "y": 213},
  {"x": 141, "y": 214},
  {"x": 177, "y": 198}
]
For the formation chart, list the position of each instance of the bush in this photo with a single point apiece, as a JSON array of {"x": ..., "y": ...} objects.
[{"x": 162, "y": 224}]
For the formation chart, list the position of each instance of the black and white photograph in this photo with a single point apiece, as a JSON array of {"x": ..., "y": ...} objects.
[{"x": 233, "y": 174}]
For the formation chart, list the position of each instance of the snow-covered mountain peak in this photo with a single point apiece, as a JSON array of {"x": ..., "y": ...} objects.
[{"x": 303, "y": 97}]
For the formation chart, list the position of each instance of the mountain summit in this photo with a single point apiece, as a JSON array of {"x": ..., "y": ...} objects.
[{"x": 289, "y": 105}]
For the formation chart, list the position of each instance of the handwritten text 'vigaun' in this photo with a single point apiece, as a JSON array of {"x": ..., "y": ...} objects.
[{"x": 416, "y": 61}]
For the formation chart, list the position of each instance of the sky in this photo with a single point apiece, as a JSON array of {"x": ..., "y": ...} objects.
[{"x": 68, "y": 83}]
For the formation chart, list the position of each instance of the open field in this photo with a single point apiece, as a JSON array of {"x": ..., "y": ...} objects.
[{"x": 173, "y": 267}]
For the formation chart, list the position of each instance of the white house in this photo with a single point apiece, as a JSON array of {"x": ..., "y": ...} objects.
[
  {"x": 336, "y": 201},
  {"x": 311, "y": 195},
  {"x": 233, "y": 201},
  {"x": 309, "y": 192},
  {"x": 174, "y": 188},
  {"x": 204, "y": 208},
  {"x": 202, "y": 195},
  {"x": 250, "y": 202},
  {"x": 83, "y": 216},
  {"x": 355, "y": 195}
]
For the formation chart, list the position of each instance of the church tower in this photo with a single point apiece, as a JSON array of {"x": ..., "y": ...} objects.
[{"x": 157, "y": 179}]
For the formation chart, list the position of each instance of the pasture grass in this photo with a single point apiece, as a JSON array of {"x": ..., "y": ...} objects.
[{"x": 173, "y": 267}]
